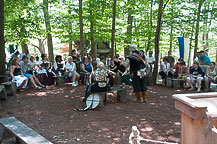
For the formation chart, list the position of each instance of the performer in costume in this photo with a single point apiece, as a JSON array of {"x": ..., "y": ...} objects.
[
  {"x": 139, "y": 68},
  {"x": 99, "y": 81}
]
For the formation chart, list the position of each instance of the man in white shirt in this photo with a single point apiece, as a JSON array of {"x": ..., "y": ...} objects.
[{"x": 151, "y": 60}]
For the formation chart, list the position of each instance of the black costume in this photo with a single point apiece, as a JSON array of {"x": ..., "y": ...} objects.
[{"x": 138, "y": 74}]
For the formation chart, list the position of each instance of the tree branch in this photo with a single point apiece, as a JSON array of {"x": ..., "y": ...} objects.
[
  {"x": 165, "y": 4},
  {"x": 35, "y": 46}
]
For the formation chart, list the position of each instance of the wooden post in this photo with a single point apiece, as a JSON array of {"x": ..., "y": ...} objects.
[
  {"x": 3, "y": 93},
  {"x": 121, "y": 96}
]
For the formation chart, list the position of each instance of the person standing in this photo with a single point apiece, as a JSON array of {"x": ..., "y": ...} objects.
[
  {"x": 151, "y": 61},
  {"x": 139, "y": 68}
]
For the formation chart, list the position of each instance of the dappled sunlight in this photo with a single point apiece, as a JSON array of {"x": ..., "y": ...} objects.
[
  {"x": 152, "y": 92},
  {"x": 177, "y": 123},
  {"x": 163, "y": 97},
  {"x": 152, "y": 103},
  {"x": 146, "y": 129}
]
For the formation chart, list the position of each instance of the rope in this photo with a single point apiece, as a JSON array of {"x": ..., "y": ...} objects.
[{"x": 154, "y": 141}]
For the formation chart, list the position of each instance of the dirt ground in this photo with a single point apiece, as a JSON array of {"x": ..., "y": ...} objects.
[{"x": 50, "y": 113}]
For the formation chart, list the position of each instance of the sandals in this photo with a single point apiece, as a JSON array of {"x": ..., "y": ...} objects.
[{"x": 38, "y": 88}]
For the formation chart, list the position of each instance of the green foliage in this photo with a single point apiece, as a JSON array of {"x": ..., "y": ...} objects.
[{"x": 24, "y": 21}]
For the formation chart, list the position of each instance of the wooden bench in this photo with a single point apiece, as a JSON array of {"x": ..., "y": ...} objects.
[
  {"x": 59, "y": 80},
  {"x": 23, "y": 133},
  {"x": 11, "y": 88},
  {"x": 3, "y": 93},
  {"x": 121, "y": 95}
]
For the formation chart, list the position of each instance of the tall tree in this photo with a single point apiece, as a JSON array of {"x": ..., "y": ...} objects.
[
  {"x": 93, "y": 47},
  {"x": 2, "y": 41},
  {"x": 113, "y": 28},
  {"x": 81, "y": 29},
  {"x": 151, "y": 25},
  {"x": 48, "y": 30},
  {"x": 70, "y": 31},
  {"x": 129, "y": 27},
  {"x": 157, "y": 39},
  {"x": 197, "y": 26}
]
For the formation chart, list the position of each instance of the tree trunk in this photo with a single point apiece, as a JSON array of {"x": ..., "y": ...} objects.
[
  {"x": 81, "y": 29},
  {"x": 23, "y": 42},
  {"x": 113, "y": 29},
  {"x": 2, "y": 41},
  {"x": 171, "y": 28},
  {"x": 157, "y": 39},
  {"x": 41, "y": 45},
  {"x": 24, "y": 47},
  {"x": 190, "y": 45},
  {"x": 197, "y": 27},
  {"x": 150, "y": 31},
  {"x": 93, "y": 47},
  {"x": 171, "y": 37},
  {"x": 70, "y": 32},
  {"x": 129, "y": 30},
  {"x": 48, "y": 31}
]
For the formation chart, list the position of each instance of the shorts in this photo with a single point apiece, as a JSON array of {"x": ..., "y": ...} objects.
[
  {"x": 28, "y": 75},
  {"x": 69, "y": 74},
  {"x": 195, "y": 78}
]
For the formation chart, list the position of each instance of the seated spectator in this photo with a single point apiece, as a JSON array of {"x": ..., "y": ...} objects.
[
  {"x": 171, "y": 60},
  {"x": 197, "y": 57},
  {"x": 94, "y": 64},
  {"x": 165, "y": 70},
  {"x": 26, "y": 53},
  {"x": 196, "y": 75},
  {"x": 177, "y": 67},
  {"x": 24, "y": 67},
  {"x": 86, "y": 66},
  {"x": 113, "y": 67},
  {"x": 71, "y": 71},
  {"x": 58, "y": 66},
  {"x": 204, "y": 60},
  {"x": 183, "y": 71},
  {"x": 211, "y": 75},
  {"x": 17, "y": 74},
  {"x": 15, "y": 55},
  {"x": 46, "y": 75},
  {"x": 32, "y": 65}
]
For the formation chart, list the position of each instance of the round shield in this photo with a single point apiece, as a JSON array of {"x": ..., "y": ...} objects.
[{"x": 93, "y": 100}]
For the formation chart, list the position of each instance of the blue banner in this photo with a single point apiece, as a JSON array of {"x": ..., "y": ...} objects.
[{"x": 181, "y": 47}]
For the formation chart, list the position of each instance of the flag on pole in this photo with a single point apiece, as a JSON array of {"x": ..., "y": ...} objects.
[{"x": 184, "y": 48}]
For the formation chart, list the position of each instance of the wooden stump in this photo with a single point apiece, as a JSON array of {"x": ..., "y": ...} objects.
[
  {"x": 168, "y": 82},
  {"x": 121, "y": 96},
  {"x": 176, "y": 83},
  {"x": 59, "y": 80},
  {"x": 102, "y": 99},
  {"x": 2, "y": 78},
  {"x": 3, "y": 93},
  {"x": 10, "y": 88}
]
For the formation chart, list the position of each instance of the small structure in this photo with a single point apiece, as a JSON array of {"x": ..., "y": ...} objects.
[{"x": 198, "y": 117}]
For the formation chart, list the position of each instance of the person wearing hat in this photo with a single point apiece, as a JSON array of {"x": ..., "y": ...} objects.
[{"x": 139, "y": 69}]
